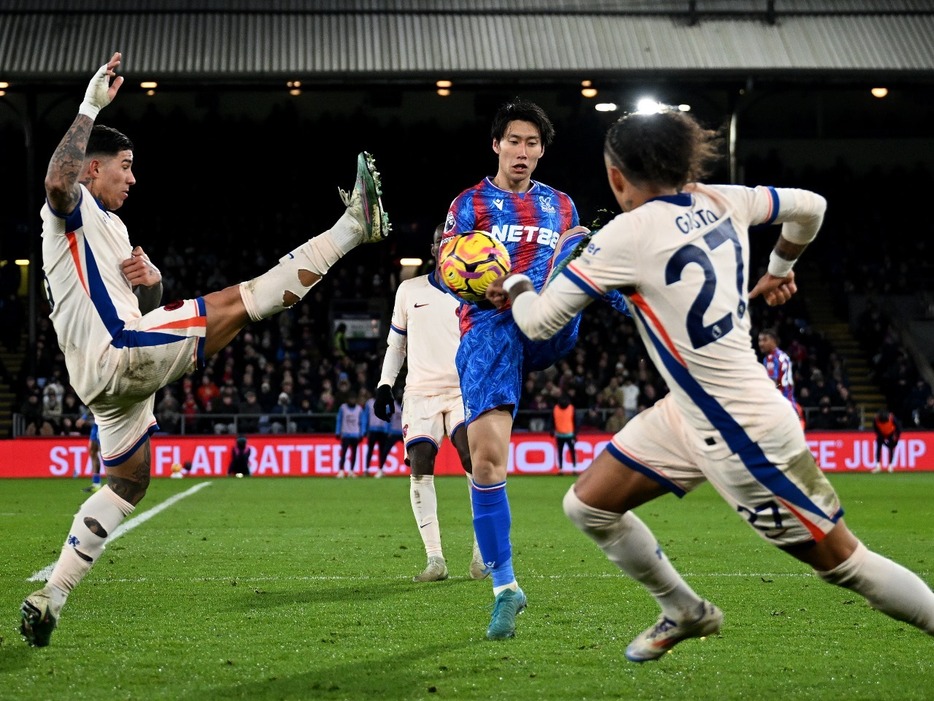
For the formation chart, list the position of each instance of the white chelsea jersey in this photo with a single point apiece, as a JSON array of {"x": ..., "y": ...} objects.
[
  {"x": 683, "y": 263},
  {"x": 90, "y": 298},
  {"x": 425, "y": 328}
]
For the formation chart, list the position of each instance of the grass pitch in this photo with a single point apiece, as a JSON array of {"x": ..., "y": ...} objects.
[{"x": 301, "y": 589}]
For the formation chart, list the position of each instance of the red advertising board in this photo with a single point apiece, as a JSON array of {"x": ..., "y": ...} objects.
[{"x": 319, "y": 455}]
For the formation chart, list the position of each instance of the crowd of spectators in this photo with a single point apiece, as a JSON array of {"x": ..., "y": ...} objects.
[{"x": 293, "y": 371}]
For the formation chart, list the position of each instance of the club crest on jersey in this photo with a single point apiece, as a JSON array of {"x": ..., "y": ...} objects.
[{"x": 544, "y": 202}]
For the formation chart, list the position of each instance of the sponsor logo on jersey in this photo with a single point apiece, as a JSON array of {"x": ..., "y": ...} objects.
[{"x": 498, "y": 203}]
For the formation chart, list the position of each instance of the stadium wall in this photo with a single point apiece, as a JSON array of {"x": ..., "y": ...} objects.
[{"x": 319, "y": 455}]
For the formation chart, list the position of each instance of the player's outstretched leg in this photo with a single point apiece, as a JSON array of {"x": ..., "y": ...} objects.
[
  {"x": 364, "y": 221},
  {"x": 655, "y": 641},
  {"x": 38, "y": 622},
  {"x": 630, "y": 545},
  {"x": 365, "y": 203},
  {"x": 97, "y": 518}
]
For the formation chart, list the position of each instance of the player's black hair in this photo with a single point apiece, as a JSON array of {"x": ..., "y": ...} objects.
[
  {"x": 107, "y": 141},
  {"x": 669, "y": 148},
  {"x": 771, "y": 333},
  {"x": 525, "y": 111}
]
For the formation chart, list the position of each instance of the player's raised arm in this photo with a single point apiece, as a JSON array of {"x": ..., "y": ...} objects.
[
  {"x": 801, "y": 213},
  {"x": 67, "y": 162}
]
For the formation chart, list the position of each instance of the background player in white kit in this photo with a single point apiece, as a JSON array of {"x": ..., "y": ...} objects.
[
  {"x": 425, "y": 331},
  {"x": 680, "y": 253},
  {"x": 120, "y": 347}
]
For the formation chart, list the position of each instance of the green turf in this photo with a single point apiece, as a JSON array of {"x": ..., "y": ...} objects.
[{"x": 301, "y": 589}]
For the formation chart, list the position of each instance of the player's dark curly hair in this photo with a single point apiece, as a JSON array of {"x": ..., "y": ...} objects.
[
  {"x": 526, "y": 111},
  {"x": 669, "y": 148},
  {"x": 107, "y": 141}
]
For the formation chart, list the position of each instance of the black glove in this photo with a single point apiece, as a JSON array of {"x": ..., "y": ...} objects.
[{"x": 385, "y": 405}]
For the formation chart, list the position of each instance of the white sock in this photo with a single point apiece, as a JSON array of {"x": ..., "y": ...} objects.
[
  {"x": 425, "y": 508},
  {"x": 297, "y": 272},
  {"x": 887, "y": 586},
  {"x": 97, "y": 518},
  {"x": 630, "y": 545}
]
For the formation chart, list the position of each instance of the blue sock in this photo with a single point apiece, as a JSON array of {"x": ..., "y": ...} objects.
[
  {"x": 492, "y": 522},
  {"x": 96, "y": 478}
]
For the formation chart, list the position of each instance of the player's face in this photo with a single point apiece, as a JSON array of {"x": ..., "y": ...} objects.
[
  {"x": 518, "y": 151},
  {"x": 436, "y": 243},
  {"x": 765, "y": 344},
  {"x": 114, "y": 179}
]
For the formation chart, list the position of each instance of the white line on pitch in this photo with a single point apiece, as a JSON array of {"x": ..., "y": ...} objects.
[{"x": 127, "y": 526}]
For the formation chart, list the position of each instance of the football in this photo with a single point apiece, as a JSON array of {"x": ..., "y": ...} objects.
[{"x": 469, "y": 262}]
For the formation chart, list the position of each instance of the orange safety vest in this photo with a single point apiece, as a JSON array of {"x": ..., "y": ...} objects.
[
  {"x": 886, "y": 428},
  {"x": 564, "y": 420}
]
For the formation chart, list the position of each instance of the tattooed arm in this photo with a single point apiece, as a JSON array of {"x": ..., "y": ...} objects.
[{"x": 67, "y": 164}]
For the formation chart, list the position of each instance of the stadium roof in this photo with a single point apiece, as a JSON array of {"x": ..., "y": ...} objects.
[{"x": 45, "y": 42}]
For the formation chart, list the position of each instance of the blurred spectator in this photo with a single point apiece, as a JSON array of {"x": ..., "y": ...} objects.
[
  {"x": 250, "y": 412},
  {"x": 350, "y": 429},
  {"x": 281, "y": 416},
  {"x": 226, "y": 412},
  {"x": 888, "y": 430},
  {"x": 925, "y": 415},
  {"x": 168, "y": 411},
  {"x": 617, "y": 420},
  {"x": 564, "y": 431},
  {"x": 207, "y": 391},
  {"x": 823, "y": 419},
  {"x": 239, "y": 459},
  {"x": 190, "y": 412}
]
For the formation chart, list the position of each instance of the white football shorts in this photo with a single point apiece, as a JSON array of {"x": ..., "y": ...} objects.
[
  {"x": 774, "y": 483},
  {"x": 430, "y": 417}
]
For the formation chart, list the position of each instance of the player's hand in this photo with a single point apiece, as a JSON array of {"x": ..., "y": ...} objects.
[
  {"x": 385, "y": 404},
  {"x": 775, "y": 290},
  {"x": 101, "y": 91},
  {"x": 139, "y": 270},
  {"x": 496, "y": 294}
]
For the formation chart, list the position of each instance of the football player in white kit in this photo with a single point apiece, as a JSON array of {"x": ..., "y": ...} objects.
[
  {"x": 680, "y": 254},
  {"x": 121, "y": 347},
  {"x": 425, "y": 330}
]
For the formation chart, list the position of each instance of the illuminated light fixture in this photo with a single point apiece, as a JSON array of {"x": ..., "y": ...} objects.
[
  {"x": 879, "y": 92},
  {"x": 295, "y": 87},
  {"x": 586, "y": 83},
  {"x": 648, "y": 105},
  {"x": 22, "y": 261},
  {"x": 684, "y": 108},
  {"x": 444, "y": 84},
  {"x": 589, "y": 92},
  {"x": 149, "y": 85},
  {"x": 4, "y": 85},
  {"x": 606, "y": 107},
  {"x": 2, "y": 93},
  {"x": 443, "y": 92},
  {"x": 410, "y": 262}
]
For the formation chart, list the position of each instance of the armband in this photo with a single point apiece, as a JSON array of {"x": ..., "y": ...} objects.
[
  {"x": 515, "y": 280},
  {"x": 778, "y": 266}
]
